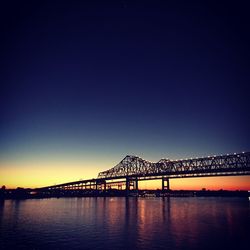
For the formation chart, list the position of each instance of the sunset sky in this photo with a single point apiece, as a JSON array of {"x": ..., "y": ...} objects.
[{"x": 85, "y": 83}]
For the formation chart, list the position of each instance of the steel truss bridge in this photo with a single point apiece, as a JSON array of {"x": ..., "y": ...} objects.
[{"x": 132, "y": 169}]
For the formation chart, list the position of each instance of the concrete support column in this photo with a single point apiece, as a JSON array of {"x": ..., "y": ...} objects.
[
  {"x": 136, "y": 184},
  {"x": 127, "y": 184}
]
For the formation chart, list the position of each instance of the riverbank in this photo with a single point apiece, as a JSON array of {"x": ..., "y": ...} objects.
[{"x": 30, "y": 194}]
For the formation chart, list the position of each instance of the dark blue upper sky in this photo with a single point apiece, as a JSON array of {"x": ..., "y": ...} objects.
[{"x": 153, "y": 78}]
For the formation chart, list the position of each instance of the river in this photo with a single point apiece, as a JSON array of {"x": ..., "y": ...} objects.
[{"x": 125, "y": 223}]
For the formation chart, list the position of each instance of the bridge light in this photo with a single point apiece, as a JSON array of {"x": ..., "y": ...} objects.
[
  {"x": 234, "y": 153},
  {"x": 243, "y": 152}
]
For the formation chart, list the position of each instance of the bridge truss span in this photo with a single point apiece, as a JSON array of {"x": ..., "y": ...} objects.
[
  {"x": 133, "y": 169},
  {"x": 233, "y": 164}
]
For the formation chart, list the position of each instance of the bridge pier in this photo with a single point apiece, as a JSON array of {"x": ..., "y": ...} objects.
[
  {"x": 131, "y": 183},
  {"x": 165, "y": 184},
  {"x": 100, "y": 184},
  {"x": 127, "y": 184},
  {"x": 136, "y": 184}
]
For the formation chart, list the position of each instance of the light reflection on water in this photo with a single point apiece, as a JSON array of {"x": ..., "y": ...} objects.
[{"x": 125, "y": 223}]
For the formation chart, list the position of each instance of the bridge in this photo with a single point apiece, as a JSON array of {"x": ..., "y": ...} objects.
[{"x": 132, "y": 169}]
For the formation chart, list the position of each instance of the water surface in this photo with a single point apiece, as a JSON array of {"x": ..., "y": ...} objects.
[{"x": 125, "y": 223}]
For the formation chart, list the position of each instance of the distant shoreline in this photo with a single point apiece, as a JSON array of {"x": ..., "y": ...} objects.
[{"x": 29, "y": 194}]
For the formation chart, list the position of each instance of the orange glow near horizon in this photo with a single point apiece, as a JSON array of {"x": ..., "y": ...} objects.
[
  {"x": 13, "y": 176},
  {"x": 40, "y": 175},
  {"x": 209, "y": 183},
  {"x": 47, "y": 172}
]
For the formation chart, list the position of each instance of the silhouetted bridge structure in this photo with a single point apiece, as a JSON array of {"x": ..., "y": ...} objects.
[{"x": 132, "y": 169}]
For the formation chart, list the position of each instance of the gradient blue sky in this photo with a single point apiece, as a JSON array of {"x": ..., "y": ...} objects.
[{"x": 90, "y": 82}]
